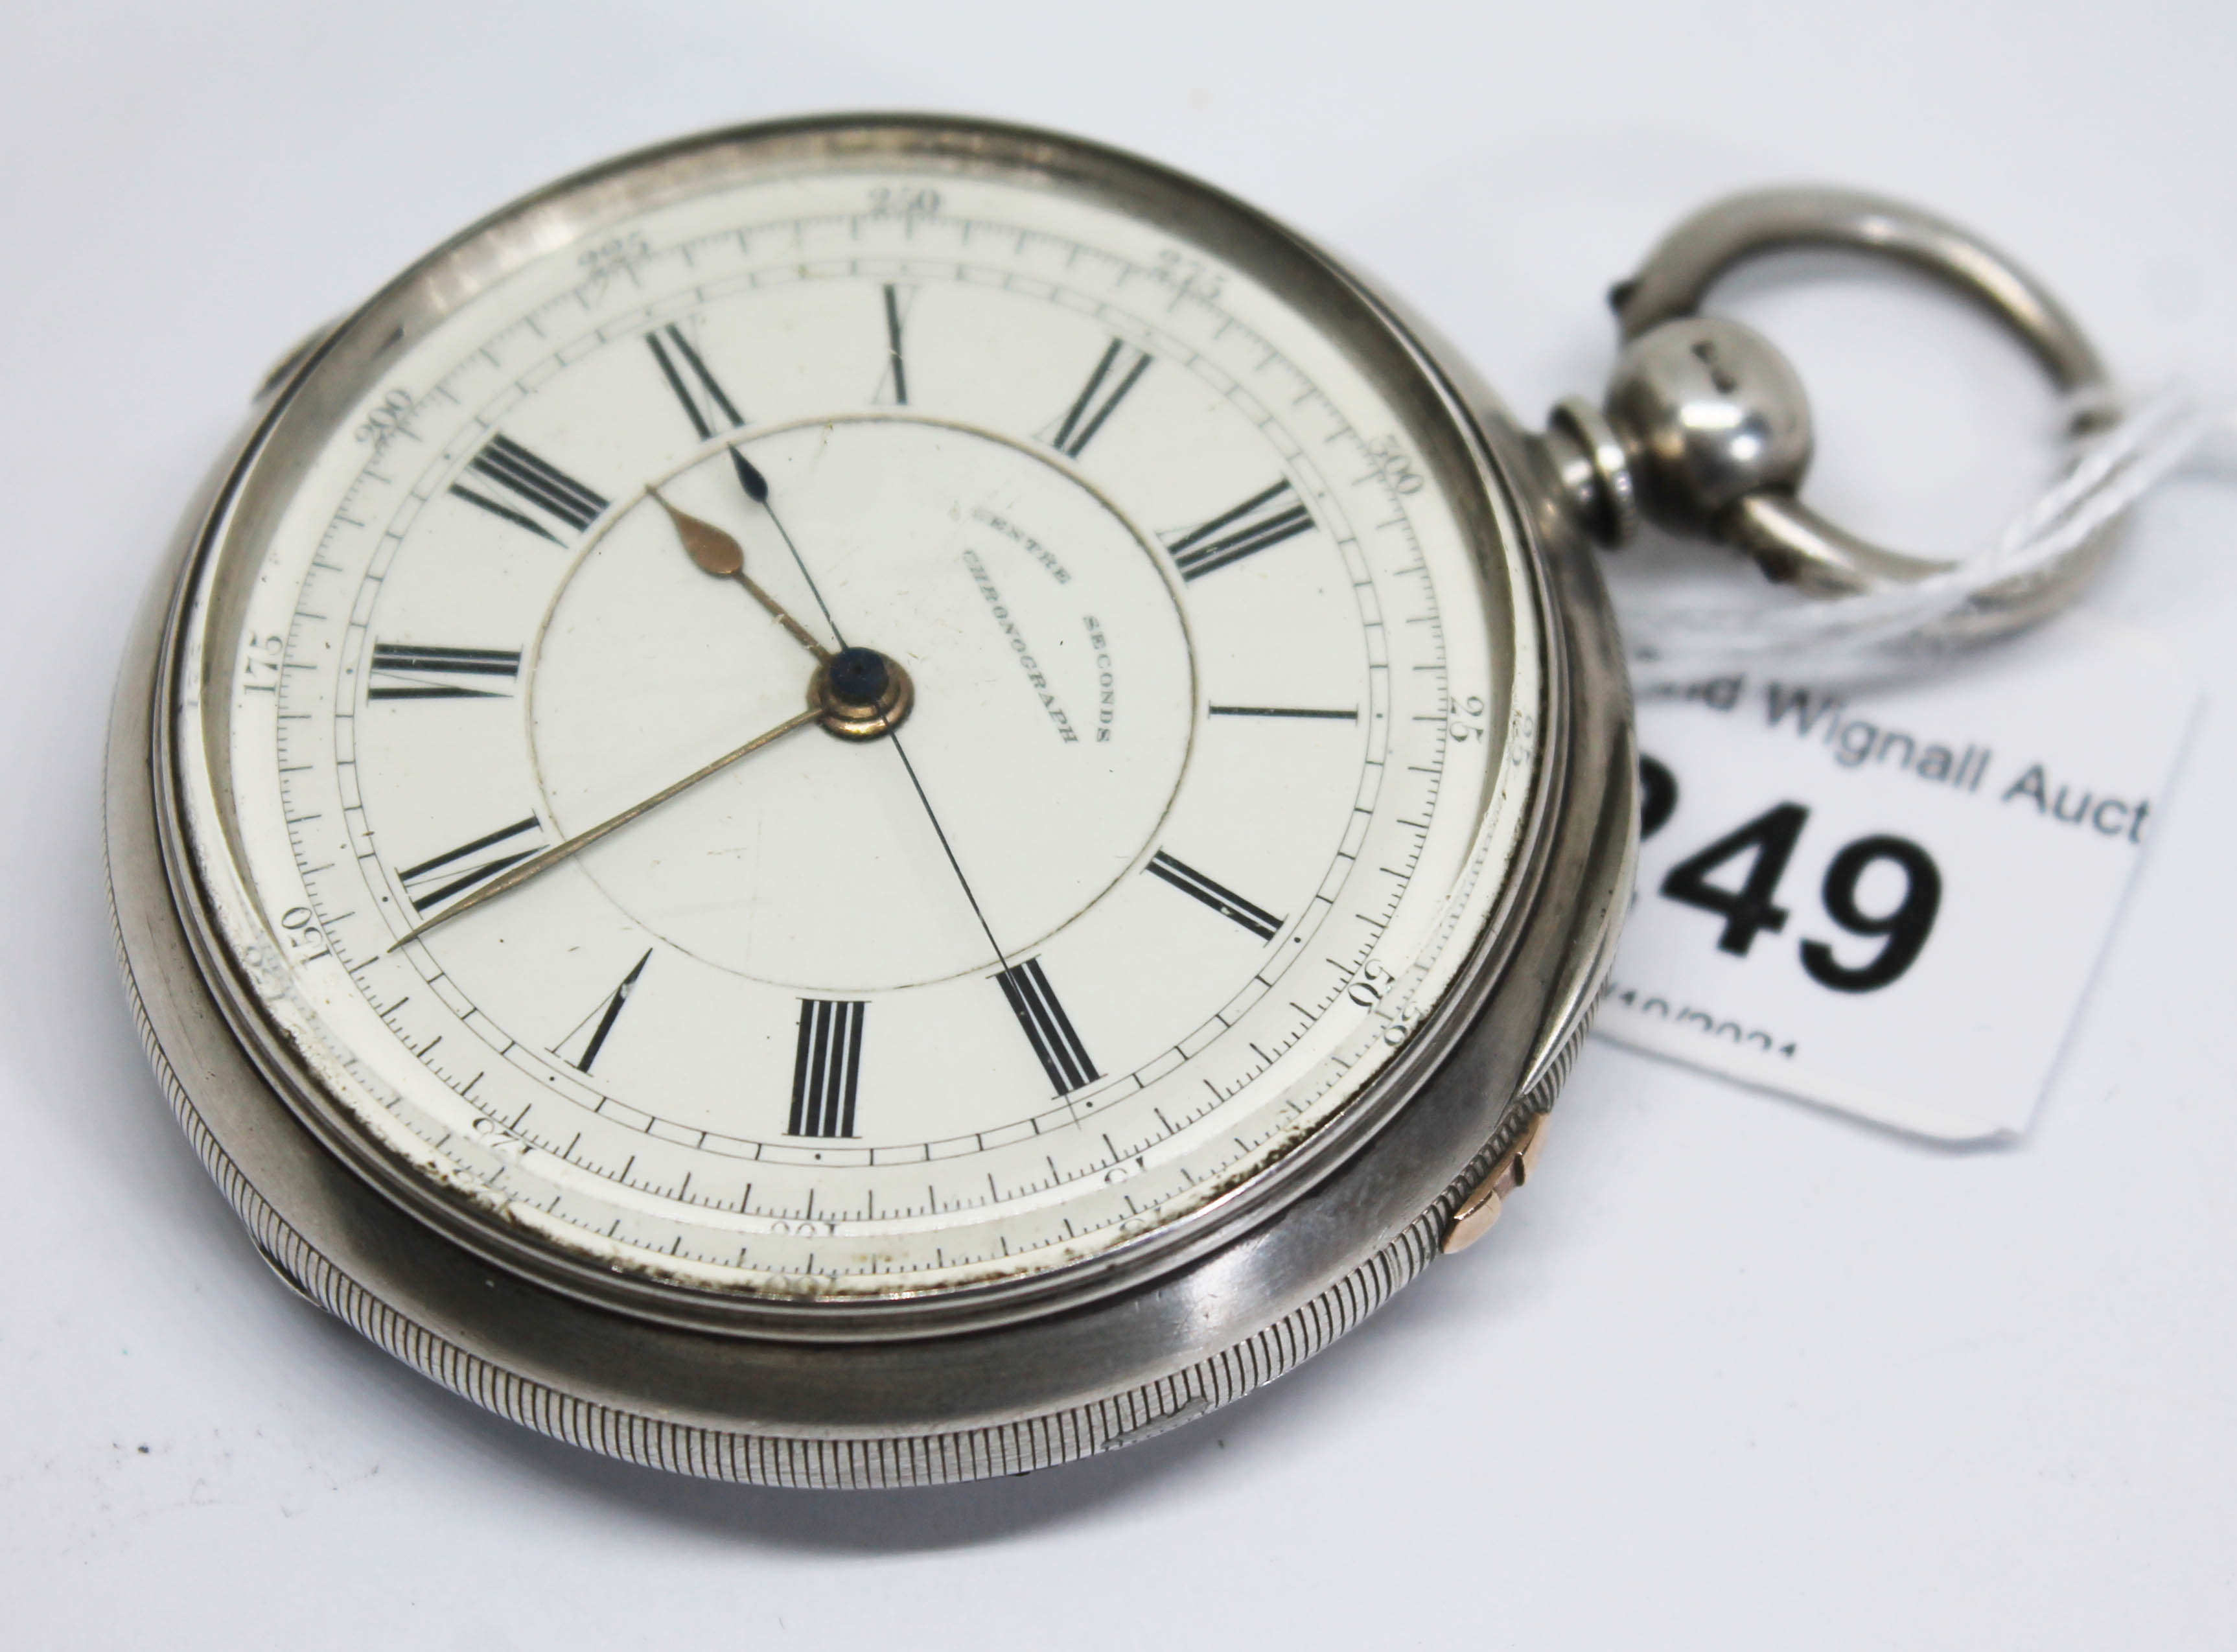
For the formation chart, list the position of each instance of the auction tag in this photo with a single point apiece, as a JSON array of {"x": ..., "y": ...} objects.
[{"x": 1889, "y": 900}]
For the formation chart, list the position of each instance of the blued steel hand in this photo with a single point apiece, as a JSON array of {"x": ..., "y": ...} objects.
[
  {"x": 717, "y": 553},
  {"x": 550, "y": 857},
  {"x": 757, "y": 489}
]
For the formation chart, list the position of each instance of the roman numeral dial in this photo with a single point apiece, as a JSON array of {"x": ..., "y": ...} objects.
[
  {"x": 1117, "y": 373},
  {"x": 1162, "y": 783},
  {"x": 826, "y": 1069},
  {"x": 514, "y": 485},
  {"x": 1220, "y": 898},
  {"x": 599, "y": 1023},
  {"x": 705, "y": 403},
  {"x": 1261, "y": 520},
  {"x": 1319, "y": 714},
  {"x": 1047, "y": 1028},
  {"x": 446, "y": 876},
  {"x": 423, "y": 672},
  {"x": 894, "y": 387}
]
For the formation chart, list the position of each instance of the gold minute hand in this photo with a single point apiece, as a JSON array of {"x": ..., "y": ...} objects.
[
  {"x": 550, "y": 857},
  {"x": 717, "y": 553}
]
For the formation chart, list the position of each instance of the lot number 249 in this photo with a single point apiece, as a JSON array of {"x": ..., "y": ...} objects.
[{"x": 1736, "y": 879}]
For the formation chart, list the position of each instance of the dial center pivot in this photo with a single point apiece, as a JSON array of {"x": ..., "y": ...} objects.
[{"x": 860, "y": 694}]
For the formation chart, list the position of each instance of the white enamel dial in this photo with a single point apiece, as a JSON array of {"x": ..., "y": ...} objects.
[{"x": 1207, "y": 779}]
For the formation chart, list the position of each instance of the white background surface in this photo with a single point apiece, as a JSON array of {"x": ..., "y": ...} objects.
[{"x": 1732, "y": 1373}]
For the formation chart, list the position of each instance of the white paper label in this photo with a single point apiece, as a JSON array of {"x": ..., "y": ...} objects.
[{"x": 1890, "y": 901}]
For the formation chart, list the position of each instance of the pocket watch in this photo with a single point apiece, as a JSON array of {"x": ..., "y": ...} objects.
[{"x": 873, "y": 801}]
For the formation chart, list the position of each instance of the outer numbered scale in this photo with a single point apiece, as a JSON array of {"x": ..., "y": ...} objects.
[{"x": 872, "y": 801}]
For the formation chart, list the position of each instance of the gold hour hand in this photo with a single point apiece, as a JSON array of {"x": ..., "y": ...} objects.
[
  {"x": 717, "y": 553},
  {"x": 550, "y": 857}
]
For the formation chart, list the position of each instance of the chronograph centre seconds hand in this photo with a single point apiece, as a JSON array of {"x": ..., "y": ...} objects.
[
  {"x": 949, "y": 849},
  {"x": 757, "y": 489}
]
